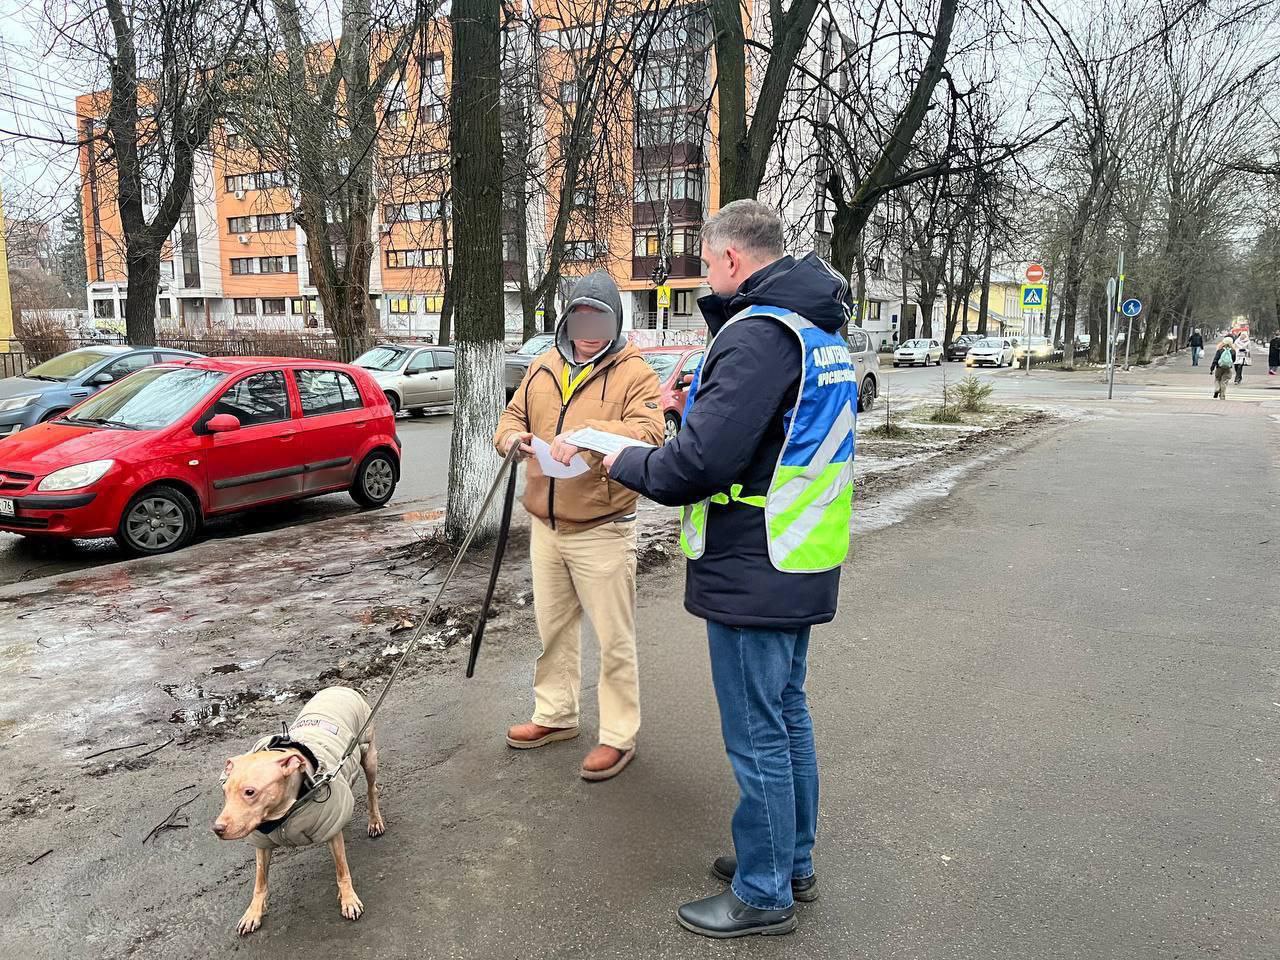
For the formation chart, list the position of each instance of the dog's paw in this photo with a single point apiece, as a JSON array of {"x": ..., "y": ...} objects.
[
  {"x": 250, "y": 922},
  {"x": 377, "y": 825},
  {"x": 351, "y": 905}
]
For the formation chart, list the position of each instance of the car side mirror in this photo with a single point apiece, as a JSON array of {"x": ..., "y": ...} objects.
[
  {"x": 101, "y": 379},
  {"x": 222, "y": 423},
  {"x": 686, "y": 381}
]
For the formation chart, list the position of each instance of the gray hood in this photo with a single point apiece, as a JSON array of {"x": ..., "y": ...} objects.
[
  {"x": 597, "y": 290},
  {"x": 21, "y": 386}
]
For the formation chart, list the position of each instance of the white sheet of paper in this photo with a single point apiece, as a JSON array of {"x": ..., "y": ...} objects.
[
  {"x": 554, "y": 468},
  {"x": 601, "y": 442}
]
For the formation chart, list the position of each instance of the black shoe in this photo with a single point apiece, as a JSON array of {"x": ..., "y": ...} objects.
[
  {"x": 806, "y": 890},
  {"x": 726, "y": 916}
]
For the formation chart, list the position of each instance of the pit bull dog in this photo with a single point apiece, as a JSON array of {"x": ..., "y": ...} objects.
[{"x": 261, "y": 787}]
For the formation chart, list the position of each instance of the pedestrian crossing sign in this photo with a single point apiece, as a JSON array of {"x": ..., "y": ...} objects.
[{"x": 1033, "y": 296}]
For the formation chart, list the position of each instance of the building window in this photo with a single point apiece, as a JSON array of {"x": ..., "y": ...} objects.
[
  {"x": 682, "y": 303},
  {"x": 647, "y": 243},
  {"x": 684, "y": 242},
  {"x": 400, "y": 305},
  {"x": 274, "y": 221},
  {"x": 578, "y": 251},
  {"x": 257, "y": 180},
  {"x": 104, "y": 309},
  {"x": 569, "y": 91},
  {"x": 240, "y": 224},
  {"x": 584, "y": 198},
  {"x": 273, "y": 306},
  {"x": 241, "y": 266},
  {"x": 166, "y": 308},
  {"x": 418, "y": 163},
  {"x": 399, "y": 259},
  {"x": 434, "y": 302},
  {"x": 296, "y": 306},
  {"x": 420, "y": 210},
  {"x": 246, "y": 307}
]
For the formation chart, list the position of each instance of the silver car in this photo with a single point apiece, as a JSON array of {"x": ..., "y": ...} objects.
[
  {"x": 415, "y": 377},
  {"x": 920, "y": 350},
  {"x": 866, "y": 361}
]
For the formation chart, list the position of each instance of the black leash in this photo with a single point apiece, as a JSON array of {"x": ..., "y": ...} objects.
[{"x": 499, "y": 550}]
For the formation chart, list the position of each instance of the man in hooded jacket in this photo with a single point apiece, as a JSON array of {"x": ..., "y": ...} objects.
[
  {"x": 765, "y": 455},
  {"x": 582, "y": 542}
]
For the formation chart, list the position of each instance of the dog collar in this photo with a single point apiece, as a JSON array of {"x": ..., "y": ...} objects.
[{"x": 281, "y": 743}]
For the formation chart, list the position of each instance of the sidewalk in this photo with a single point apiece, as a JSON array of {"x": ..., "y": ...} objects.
[{"x": 1039, "y": 737}]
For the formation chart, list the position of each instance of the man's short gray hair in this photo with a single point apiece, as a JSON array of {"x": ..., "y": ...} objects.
[{"x": 748, "y": 225}]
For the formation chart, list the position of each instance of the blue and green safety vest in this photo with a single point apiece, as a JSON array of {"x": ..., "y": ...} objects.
[{"x": 810, "y": 499}]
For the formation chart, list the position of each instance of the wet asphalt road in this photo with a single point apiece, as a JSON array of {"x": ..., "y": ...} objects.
[{"x": 1050, "y": 738}]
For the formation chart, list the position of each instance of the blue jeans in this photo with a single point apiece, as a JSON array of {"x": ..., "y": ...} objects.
[
  {"x": 1195, "y": 355},
  {"x": 759, "y": 679}
]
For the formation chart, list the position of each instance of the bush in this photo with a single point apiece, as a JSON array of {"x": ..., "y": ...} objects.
[
  {"x": 971, "y": 394},
  {"x": 891, "y": 429},
  {"x": 41, "y": 335},
  {"x": 946, "y": 413}
]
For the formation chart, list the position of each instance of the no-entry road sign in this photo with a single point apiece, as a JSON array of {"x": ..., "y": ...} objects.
[{"x": 1035, "y": 273}]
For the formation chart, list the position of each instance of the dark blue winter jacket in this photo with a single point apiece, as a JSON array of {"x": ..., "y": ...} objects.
[{"x": 734, "y": 434}]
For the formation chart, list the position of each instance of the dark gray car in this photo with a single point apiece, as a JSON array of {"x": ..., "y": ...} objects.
[
  {"x": 517, "y": 364},
  {"x": 56, "y": 385}
]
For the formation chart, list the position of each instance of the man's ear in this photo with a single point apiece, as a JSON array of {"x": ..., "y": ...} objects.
[{"x": 291, "y": 763}]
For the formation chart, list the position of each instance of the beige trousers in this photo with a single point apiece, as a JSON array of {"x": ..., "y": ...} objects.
[{"x": 595, "y": 571}]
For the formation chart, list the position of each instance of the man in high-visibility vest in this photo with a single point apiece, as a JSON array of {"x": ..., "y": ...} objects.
[{"x": 763, "y": 470}]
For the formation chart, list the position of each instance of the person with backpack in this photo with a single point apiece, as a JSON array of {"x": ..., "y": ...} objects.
[{"x": 1223, "y": 362}]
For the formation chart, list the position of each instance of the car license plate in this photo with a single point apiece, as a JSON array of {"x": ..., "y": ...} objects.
[{"x": 6, "y": 508}]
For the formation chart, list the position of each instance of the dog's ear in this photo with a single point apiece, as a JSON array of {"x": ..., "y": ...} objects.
[
  {"x": 291, "y": 763},
  {"x": 226, "y": 771}
]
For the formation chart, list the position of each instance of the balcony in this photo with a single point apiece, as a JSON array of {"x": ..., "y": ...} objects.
[
  {"x": 682, "y": 211},
  {"x": 680, "y": 267}
]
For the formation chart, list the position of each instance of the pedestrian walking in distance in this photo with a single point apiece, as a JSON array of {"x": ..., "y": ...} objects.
[
  {"x": 582, "y": 541},
  {"x": 1223, "y": 362},
  {"x": 1242, "y": 356},
  {"x": 1273, "y": 356},
  {"x": 1197, "y": 347},
  {"x": 763, "y": 471}
]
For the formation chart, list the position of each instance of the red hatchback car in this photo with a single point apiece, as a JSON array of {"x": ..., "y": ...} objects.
[
  {"x": 675, "y": 367},
  {"x": 148, "y": 458}
]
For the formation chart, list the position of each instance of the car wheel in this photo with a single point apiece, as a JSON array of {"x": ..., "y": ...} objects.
[
  {"x": 867, "y": 395},
  {"x": 417, "y": 411},
  {"x": 158, "y": 520},
  {"x": 394, "y": 401},
  {"x": 670, "y": 427},
  {"x": 51, "y": 414},
  {"x": 375, "y": 480},
  {"x": 895, "y": 363}
]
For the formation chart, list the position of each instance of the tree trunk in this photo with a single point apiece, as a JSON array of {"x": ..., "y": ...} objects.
[
  {"x": 926, "y": 314},
  {"x": 983, "y": 305},
  {"x": 476, "y": 137},
  {"x": 143, "y": 267}
]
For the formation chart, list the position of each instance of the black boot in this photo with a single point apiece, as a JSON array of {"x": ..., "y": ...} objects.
[
  {"x": 726, "y": 916},
  {"x": 806, "y": 890}
]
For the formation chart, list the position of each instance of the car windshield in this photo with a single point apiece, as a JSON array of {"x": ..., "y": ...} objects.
[
  {"x": 663, "y": 363},
  {"x": 67, "y": 365},
  {"x": 990, "y": 344},
  {"x": 536, "y": 345},
  {"x": 149, "y": 399},
  {"x": 915, "y": 345},
  {"x": 382, "y": 358}
]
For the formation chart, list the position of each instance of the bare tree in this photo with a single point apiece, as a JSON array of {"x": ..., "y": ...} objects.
[
  {"x": 172, "y": 68},
  {"x": 476, "y": 162}
]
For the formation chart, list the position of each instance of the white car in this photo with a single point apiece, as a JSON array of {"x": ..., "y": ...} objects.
[
  {"x": 918, "y": 351},
  {"x": 993, "y": 351},
  {"x": 1041, "y": 349},
  {"x": 415, "y": 377}
]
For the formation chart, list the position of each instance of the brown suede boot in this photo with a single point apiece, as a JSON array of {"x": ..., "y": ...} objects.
[
  {"x": 604, "y": 762},
  {"x": 526, "y": 736}
]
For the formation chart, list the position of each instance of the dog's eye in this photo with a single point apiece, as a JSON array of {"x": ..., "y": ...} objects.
[{"x": 249, "y": 791}]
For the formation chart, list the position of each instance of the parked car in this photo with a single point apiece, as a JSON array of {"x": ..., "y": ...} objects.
[
  {"x": 52, "y": 387},
  {"x": 959, "y": 347},
  {"x": 916, "y": 351},
  {"x": 517, "y": 364},
  {"x": 416, "y": 377},
  {"x": 991, "y": 351},
  {"x": 148, "y": 459},
  {"x": 675, "y": 367},
  {"x": 1040, "y": 347},
  {"x": 867, "y": 362}
]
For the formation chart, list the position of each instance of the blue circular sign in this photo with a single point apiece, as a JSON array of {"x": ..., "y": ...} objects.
[{"x": 1131, "y": 307}]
